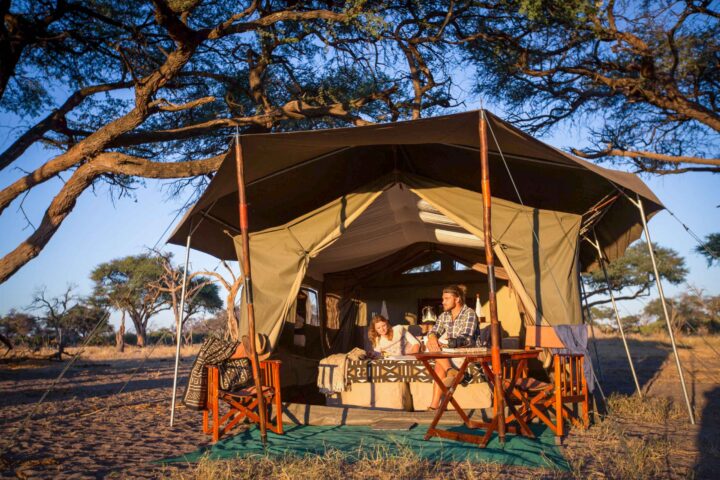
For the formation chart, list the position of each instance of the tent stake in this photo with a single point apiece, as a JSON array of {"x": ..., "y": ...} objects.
[
  {"x": 665, "y": 310},
  {"x": 179, "y": 327},
  {"x": 248, "y": 288},
  {"x": 495, "y": 340},
  {"x": 601, "y": 259}
]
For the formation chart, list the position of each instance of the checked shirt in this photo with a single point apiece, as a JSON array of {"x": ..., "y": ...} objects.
[{"x": 465, "y": 325}]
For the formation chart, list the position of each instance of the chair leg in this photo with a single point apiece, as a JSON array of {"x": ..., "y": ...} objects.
[
  {"x": 215, "y": 406},
  {"x": 560, "y": 432},
  {"x": 206, "y": 419}
]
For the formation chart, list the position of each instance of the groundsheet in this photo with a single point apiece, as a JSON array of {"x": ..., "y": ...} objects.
[{"x": 359, "y": 441}]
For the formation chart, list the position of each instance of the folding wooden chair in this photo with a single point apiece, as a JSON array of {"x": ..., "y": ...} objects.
[
  {"x": 242, "y": 404},
  {"x": 560, "y": 398}
]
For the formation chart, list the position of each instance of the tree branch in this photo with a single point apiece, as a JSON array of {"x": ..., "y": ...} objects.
[{"x": 616, "y": 152}]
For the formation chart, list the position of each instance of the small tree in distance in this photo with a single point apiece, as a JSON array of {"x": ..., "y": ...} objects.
[
  {"x": 125, "y": 284},
  {"x": 54, "y": 313},
  {"x": 631, "y": 276},
  {"x": 201, "y": 294}
]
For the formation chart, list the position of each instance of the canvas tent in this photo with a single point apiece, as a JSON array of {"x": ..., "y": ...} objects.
[{"x": 331, "y": 201}]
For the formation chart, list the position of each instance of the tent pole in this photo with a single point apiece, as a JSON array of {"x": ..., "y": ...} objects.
[
  {"x": 639, "y": 204},
  {"x": 617, "y": 314},
  {"x": 179, "y": 326},
  {"x": 248, "y": 287},
  {"x": 495, "y": 340},
  {"x": 592, "y": 327}
]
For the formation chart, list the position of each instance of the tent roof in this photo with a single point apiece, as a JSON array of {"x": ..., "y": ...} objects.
[{"x": 289, "y": 174}]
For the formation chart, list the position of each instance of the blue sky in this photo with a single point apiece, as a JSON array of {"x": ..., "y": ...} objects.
[{"x": 98, "y": 230}]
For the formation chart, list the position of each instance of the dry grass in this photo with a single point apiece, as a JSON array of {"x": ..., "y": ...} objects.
[
  {"x": 607, "y": 451},
  {"x": 382, "y": 464},
  {"x": 20, "y": 356},
  {"x": 656, "y": 410}
]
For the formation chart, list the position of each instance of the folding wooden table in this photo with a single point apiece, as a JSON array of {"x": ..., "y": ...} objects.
[{"x": 518, "y": 359}]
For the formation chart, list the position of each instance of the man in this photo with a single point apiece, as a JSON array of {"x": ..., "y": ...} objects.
[{"x": 457, "y": 322}]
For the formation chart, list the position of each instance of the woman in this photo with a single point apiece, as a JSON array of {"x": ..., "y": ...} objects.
[{"x": 388, "y": 340}]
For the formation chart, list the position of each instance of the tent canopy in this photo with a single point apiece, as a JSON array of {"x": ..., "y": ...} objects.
[
  {"x": 290, "y": 174},
  {"x": 334, "y": 200}
]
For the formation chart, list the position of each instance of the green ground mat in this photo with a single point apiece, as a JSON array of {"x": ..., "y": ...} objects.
[{"x": 357, "y": 441}]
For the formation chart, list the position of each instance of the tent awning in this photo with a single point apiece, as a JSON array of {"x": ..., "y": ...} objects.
[{"x": 289, "y": 174}]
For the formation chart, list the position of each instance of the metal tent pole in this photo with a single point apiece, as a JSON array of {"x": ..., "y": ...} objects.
[
  {"x": 495, "y": 339},
  {"x": 639, "y": 204},
  {"x": 248, "y": 287},
  {"x": 179, "y": 326},
  {"x": 592, "y": 326},
  {"x": 617, "y": 314}
]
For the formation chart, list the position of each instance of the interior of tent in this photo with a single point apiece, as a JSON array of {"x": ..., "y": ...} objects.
[{"x": 396, "y": 258}]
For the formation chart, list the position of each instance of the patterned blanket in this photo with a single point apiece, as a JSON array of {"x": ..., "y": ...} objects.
[
  {"x": 381, "y": 371},
  {"x": 213, "y": 351}
]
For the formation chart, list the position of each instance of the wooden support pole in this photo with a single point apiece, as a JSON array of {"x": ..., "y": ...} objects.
[
  {"x": 495, "y": 338},
  {"x": 248, "y": 287}
]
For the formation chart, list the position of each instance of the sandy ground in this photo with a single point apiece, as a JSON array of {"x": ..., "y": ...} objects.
[{"x": 85, "y": 429}]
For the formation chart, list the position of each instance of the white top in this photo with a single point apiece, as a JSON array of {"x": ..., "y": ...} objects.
[{"x": 398, "y": 345}]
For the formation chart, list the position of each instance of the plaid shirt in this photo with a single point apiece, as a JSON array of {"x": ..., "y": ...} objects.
[{"x": 465, "y": 325}]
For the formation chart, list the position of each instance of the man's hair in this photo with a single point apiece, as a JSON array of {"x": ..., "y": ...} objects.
[{"x": 457, "y": 290}]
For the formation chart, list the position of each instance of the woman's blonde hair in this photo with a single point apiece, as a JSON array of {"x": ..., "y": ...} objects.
[
  {"x": 373, "y": 335},
  {"x": 457, "y": 290}
]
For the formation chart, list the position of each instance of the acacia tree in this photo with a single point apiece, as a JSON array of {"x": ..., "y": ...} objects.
[
  {"x": 54, "y": 313},
  {"x": 652, "y": 68},
  {"x": 201, "y": 294},
  {"x": 17, "y": 327},
  {"x": 88, "y": 318},
  {"x": 710, "y": 249},
  {"x": 154, "y": 88},
  {"x": 631, "y": 276},
  {"x": 126, "y": 285},
  {"x": 690, "y": 312}
]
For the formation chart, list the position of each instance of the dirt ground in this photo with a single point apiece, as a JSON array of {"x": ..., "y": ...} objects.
[{"x": 85, "y": 429}]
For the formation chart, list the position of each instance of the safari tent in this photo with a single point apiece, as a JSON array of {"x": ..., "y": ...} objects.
[{"x": 388, "y": 214}]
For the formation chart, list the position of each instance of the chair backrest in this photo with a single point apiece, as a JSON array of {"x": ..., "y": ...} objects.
[{"x": 542, "y": 336}]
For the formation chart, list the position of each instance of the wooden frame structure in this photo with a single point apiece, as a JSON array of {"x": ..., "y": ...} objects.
[
  {"x": 243, "y": 404},
  {"x": 568, "y": 385},
  {"x": 505, "y": 390}
]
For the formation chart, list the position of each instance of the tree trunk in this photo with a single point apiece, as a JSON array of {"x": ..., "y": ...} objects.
[
  {"x": 120, "y": 335},
  {"x": 140, "y": 325},
  {"x": 141, "y": 336}
]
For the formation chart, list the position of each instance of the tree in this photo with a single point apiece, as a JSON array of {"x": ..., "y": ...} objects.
[
  {"x": 126, "y": 285},
  {"x": 652, "y": 68},
  {"x": 54, "y": 313},
  {"x": 710, "y": 248},
  {"x": 86, "y": 318},
  {"x": 170, "y": 80},
  {"x": 690, "y": 312},
  {"x": 18, "y": 327},
  {"x": 127, "y": 90},
  {"x": 201, "y": 294},
  {"x": 631, "y": 276}
]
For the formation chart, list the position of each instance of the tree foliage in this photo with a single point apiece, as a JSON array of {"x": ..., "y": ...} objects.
[
  {"x": 710, "y": 249},
  {"x": 123, "y": 91},
  {"x": 632, "y": 276},
  {"x": 201, "y": 294},
  {"x": 690, "y": 312},
  {"x": 125, "y": 284},
  {"x": 20, "y": 328},
  {"x": 651, "y": 68}
]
